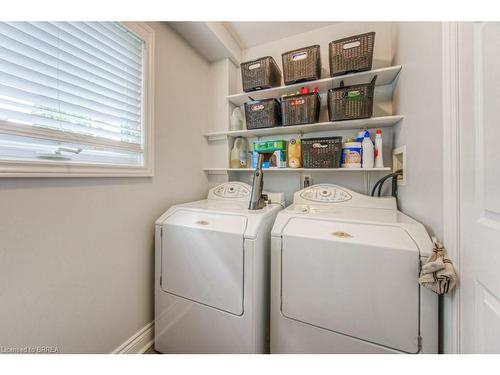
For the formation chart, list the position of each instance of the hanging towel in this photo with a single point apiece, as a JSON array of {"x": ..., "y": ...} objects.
[{"x": 438, "y": 273}]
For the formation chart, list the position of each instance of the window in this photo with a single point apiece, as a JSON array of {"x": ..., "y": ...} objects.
[{"x": 76, "y": 98}]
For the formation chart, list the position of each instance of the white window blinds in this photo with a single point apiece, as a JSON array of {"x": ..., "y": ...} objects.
[{"x": 74, "y": 86}]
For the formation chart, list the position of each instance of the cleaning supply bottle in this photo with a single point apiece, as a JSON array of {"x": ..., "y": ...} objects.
[
  {"x": 351, "y": 154},
  {"x": 244, "y": 153},
  {"x": 361, "y": 135},
  {"x": 236, "y": 153},
  {"x": 294, "y": 153},
  {"x": 379, "y": 157},
  {"x": 368, "y": 151}
]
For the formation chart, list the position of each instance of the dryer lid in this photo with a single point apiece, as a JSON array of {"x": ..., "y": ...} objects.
[
  {"x": 354, "y": 279},
  {"x": 377, "y": 235},
  {"x": 202, "y": 258},
  {"x": 226, "y": 222}
]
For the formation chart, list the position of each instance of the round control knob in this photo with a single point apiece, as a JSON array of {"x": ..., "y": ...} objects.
[{"x": 324, "y": 193}]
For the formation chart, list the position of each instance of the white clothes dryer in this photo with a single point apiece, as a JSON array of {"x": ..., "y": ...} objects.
[
  {"x": 212, "y": 274},
  {"x": 344, "y": 277}
]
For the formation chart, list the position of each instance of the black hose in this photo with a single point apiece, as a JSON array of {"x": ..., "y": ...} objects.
[
  {"x": 394, "y": 189},
  {"x": 375, "y": 188},
  {"x": 380, "y": 183}
]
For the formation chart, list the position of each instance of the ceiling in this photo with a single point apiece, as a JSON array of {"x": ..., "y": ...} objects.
[
  {"x": 208, "y": 39},
  {"x": 250, "y": 34}
]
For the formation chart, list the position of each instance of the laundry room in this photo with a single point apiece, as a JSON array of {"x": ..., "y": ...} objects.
[{"x": 181, "y": 182}]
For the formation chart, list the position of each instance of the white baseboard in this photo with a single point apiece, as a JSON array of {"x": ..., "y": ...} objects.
[{"x": 139, "y": 342}]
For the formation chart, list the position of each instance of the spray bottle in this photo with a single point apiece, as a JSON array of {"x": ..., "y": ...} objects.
[{"x": 379, "y": 157}]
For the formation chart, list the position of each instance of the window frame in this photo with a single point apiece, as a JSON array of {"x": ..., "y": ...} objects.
[{"x": 43, "y": 168}]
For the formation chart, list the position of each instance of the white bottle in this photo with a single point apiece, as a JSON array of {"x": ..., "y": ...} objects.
[
  {"x": 239, "y": 153},
  {"x": 236, "y": 119},
  {"x": 368, "y": 151},
  {"x": 379, "y": 157},
  {"x": 235, "y": 153},
  {"x": 243, "y": 153}
]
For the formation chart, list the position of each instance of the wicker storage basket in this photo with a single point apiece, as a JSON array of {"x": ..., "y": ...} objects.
[
  {"x": 321, "y": 152},
  {"x": 351, "y": 102},
  {"x": 262, "y": 114},
  {"x": 301, "y": 65},
  {"x": 300, "y": 109},
  {"x": 353, "y": 54},
  {"x": 260, "y": 74}
]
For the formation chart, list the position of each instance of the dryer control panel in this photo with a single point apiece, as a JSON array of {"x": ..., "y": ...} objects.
[
  {"x": 325, "y": 194},
  {"x": 236, "y": 191},
  {"x": 231, "y": 190}
]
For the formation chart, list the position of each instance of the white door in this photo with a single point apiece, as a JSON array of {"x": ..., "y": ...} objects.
[{"x": 479, "y": 288}]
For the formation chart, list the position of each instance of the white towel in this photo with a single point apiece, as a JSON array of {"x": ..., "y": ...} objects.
[{"x": 438, "y": 273}]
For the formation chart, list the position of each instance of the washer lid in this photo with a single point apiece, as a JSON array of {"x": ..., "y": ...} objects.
[
  {"x": 355, "y": 279},
  {"x": 202, "y": 258}
]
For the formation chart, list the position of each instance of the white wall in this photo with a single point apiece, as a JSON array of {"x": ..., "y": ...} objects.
[
  {"x": 76, "y": 254},
  {"x": 418, "y": 96},
  {"x": 215, "y": 153}
]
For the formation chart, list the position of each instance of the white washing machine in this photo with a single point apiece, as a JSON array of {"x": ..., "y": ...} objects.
[
  {"x": 344, "y": 271},
  {"x": 212, "y": 274}
]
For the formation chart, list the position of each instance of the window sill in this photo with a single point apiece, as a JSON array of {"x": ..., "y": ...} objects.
[{"x": 47, "y": 169}]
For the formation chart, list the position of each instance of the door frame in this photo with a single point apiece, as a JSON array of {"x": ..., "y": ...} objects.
[{"x": 451, "y": 179}]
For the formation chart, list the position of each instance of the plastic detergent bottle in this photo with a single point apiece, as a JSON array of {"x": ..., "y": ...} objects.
[
  {"x": 368, "y": 151},
  {"x": 236, "y": 152},
  {"x": 243, "y": 153},
  {"x": 379, "y": 158},
  {"x": 294, "y": 153}
]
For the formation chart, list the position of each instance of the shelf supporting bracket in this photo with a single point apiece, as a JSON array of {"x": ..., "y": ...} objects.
[
  {"x": 214, "y": 172},
  {"x": 214, "y": 138}
]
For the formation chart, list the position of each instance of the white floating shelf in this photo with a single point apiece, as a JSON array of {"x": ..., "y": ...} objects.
[
  {"x": 385, "y": 76},
  {"x": 369, "y": 123},
  {"x": 226, "y": 170}
]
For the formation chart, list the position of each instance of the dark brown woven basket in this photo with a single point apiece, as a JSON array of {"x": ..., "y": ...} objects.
[
  {"x": 321, "y": 152},
  {"x": 262, "y": 114},
  {"x": 353, "y": 54},
  {"x": 300, "y": 65},
  {"x": 260, "y": 74},
  {"x": 300, "y": 109},
  {"x": 351, "y": 102}
]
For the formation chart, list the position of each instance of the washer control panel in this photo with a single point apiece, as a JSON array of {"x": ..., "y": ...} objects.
[
  {"x": 321, "y": 197},
  {"x": 325, "y": 194},
  {"x": 231, "y": 190}
]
